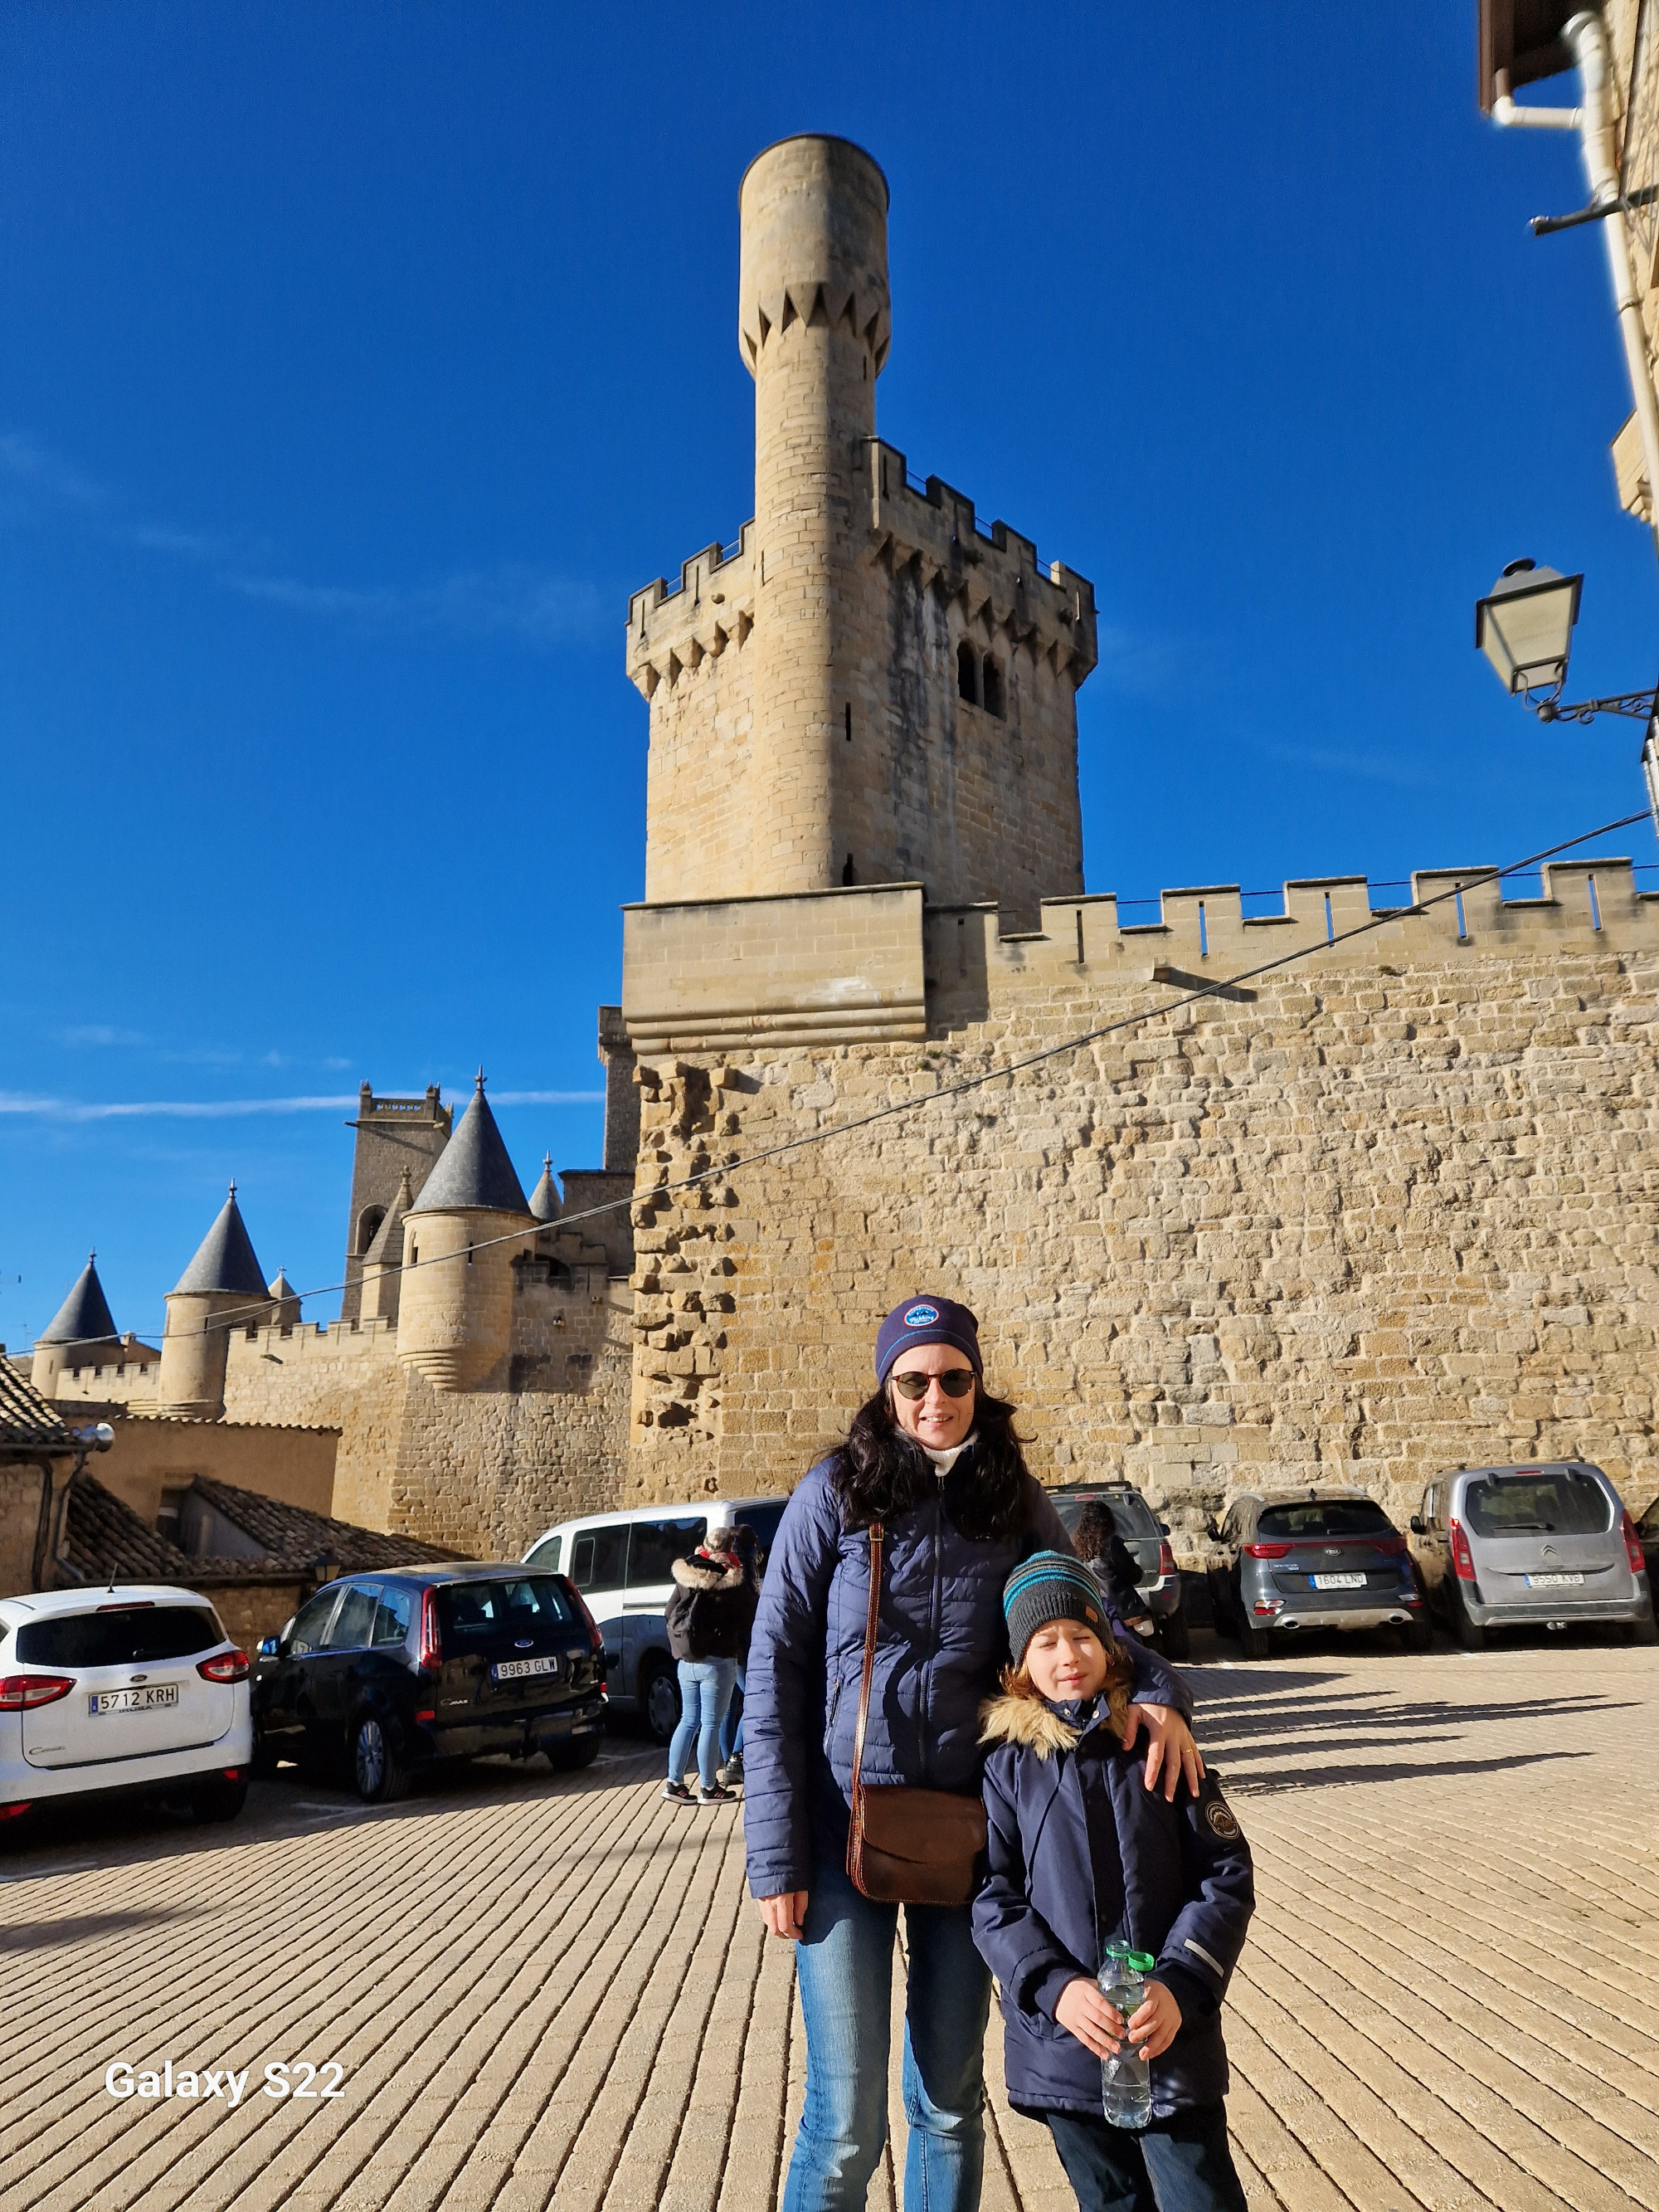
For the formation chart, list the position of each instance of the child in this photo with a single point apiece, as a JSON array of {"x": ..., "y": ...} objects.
[{"x": 1080, "y": 1854}]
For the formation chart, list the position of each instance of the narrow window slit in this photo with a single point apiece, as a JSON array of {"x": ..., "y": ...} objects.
[
  {"x": 1463, "y": 926},
  {"x": 1330, "y": 926},
  {"x": 1203, "y": 934},
  {"x": 1079, "y": 937},
  {"x": 1596, "y": 903}
]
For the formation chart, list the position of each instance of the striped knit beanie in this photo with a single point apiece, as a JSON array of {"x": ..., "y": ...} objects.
[{"x": 1051, "y": 1586}]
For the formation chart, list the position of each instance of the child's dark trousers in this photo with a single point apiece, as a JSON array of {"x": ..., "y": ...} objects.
[{"x": 1179, "y": 2165}]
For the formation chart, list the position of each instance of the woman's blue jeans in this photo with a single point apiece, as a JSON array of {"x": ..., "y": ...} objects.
[
  {"x": 844, "y": 1963},
  {"x": 705, "y": 1687},
  {"x": 732, "y": 1726}
]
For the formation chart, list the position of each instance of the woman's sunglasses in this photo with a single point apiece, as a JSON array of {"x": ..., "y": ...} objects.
[{"x": 956, "y": 1384}]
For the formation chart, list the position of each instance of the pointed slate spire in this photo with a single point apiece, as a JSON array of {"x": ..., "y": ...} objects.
[
  {"x": 285, "y": 1299},
  {"x": 544, "y": 1202},
  {"x": 225, "y": 1260},
  {"x": 474, "y": 1173},
  {"x": 84, "y": 1317}
]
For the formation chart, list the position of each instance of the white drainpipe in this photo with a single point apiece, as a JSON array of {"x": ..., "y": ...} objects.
[{"x": 1586, "y": 35}]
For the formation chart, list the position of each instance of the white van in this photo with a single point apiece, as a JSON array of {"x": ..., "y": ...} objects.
[{"x": 623, "y": 1565}]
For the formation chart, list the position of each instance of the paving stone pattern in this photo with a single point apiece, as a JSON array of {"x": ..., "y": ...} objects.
[{"x": 553, "y": 1991}]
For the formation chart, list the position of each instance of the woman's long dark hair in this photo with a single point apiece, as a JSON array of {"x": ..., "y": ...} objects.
[{"x": 881, "y": 1471}]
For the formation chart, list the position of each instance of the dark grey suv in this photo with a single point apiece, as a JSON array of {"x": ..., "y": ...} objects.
[{"x": 1308, "y": 1559}]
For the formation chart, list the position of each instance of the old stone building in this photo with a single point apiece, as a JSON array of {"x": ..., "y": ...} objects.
[{"x": 1388, "y": 1208}]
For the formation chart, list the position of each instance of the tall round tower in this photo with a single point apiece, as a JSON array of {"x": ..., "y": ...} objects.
[
  {"x": 223, "y": 1288},
  {"x": 813, "y": 331},
  {"x": 455, "y": 1307}
]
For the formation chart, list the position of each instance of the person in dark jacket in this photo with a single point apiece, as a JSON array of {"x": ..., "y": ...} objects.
[
  {"x": 708, "y": 1620},
  {"x": 1096, "y": 1542},
  {"x": 934, "y": 1456},
  {"x": 746, "y": 1544},
  {"x": 1079, "y": 1855}
]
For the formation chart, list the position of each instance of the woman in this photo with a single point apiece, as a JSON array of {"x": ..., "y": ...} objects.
[
  {"x": 933, "y": 1457},
  {"x": 708, "y": 1621},
  {"x": 747, "y": 1545}
]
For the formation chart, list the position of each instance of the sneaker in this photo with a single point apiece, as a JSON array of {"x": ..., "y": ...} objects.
[
  {"x": 678, "y": 1794},
  {"x": 731, "y": 1772},
  {"x": 718, "y": 1796}
]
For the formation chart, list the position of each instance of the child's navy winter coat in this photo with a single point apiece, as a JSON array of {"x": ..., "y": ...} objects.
[{"x": 1080, "y": 1852}]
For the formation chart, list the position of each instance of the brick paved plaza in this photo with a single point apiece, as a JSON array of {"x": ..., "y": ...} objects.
[{"x": 553, "y": 1990}]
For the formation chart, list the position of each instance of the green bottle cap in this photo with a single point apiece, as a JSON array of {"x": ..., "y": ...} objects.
[{"x": 1121, "y": 1954}]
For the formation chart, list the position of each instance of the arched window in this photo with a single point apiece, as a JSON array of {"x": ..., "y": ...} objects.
[
  {"x": 849, "y": 874},
  {"x": 994, "y": 699},
  {"x": 967, "y": 673},
  {"x": 369, "y": 1222}
]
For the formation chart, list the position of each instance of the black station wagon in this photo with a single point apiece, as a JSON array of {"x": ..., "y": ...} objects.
[{"x": 388, "y": 1673}]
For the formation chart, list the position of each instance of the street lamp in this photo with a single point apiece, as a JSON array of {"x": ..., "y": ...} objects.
[{"x": 1524, "y": 627}]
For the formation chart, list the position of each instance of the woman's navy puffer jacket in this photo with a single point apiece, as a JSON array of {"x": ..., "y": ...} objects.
[{"x": 940, "y": 1644}]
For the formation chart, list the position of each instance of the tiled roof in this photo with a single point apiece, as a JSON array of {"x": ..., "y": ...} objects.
[
  {"x": 224, "y": 1260},
  {"x": 84, "y": 1317},
  {"x": 104, "y": 1537},
  {"x": 473, "y": 1171},
  {"x": 28, "y": 1422}
]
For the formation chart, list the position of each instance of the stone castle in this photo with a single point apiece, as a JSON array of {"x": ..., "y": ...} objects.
[{"x": 1389, "y": 1209}]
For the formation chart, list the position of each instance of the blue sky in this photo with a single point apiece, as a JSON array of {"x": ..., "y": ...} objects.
[{"x": 356, "y": 363}]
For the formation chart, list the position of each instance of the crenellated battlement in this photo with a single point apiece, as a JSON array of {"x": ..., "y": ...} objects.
[
  {"x": 671, "y": 628},
  {"x": 996, "y": 576}
]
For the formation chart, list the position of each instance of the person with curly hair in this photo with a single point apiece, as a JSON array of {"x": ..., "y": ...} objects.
[{"x": 933, "y": 1458}]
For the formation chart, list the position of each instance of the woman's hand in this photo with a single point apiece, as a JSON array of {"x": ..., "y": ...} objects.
[
  {"x": 1083, "y": 2012},
  {"x": 785, "y": 1916},
  {"x": 1154, "y": 2025},
  {"x": 1171, "y": 1748}
]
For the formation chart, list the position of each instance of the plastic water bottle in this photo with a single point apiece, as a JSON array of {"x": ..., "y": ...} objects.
[{"x": 1126, "y": 2081}]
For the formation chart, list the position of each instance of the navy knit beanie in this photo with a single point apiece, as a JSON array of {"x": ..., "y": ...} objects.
[
  {"x": 927, "y": 1321},
  {"x": 1051, "y": 1586}
]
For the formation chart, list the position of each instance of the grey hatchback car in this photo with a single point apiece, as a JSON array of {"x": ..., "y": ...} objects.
[
  {"x": 1313, "y": 1559},
  {"x": 1537, "y": 1547}
]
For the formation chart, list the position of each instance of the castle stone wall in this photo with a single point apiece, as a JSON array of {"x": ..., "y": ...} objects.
[{"x": 1388, "y": 1210}]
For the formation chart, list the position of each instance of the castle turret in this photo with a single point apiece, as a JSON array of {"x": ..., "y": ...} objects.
[
  {"x": 284, "y": 1302},
  {"x": 544, "y": 1202},
  {"x": 223, "y": 1288},
  {"x": 382, "y": 1280},
  {"x": 455, "y": 1309},
  {"x": 81, "y": 1333},
  {"x": 812, "y": 324}
]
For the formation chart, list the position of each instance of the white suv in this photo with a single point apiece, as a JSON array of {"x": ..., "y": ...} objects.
[{"x": 135, "y": 1688}]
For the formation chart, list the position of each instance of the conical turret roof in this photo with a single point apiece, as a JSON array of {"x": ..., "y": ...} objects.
[
  {"x": 280, "y": 1286},
  {"x": 84, "y": 1317},
  {"x": 474, "y": 1173},
  {"x": 544, "y": 1202},
  {"x": 225, "y": 1260},
  {"x": 387, "y": 1249}
]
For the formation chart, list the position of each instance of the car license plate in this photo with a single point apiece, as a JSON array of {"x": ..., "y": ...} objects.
[
  {"x": 1337, "y": 1582},
  {"x": 133, "y": 1701},
  {"x": 1553, "y": 1581},
  {"x": 512, "y": 1670}
]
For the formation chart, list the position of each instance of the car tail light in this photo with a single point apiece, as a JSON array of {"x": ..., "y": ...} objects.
[
  {"x": 428, "y": 1717},
  {"x": 1462, "y": 1558},
  {"x": 1632, "y": 1542},
  {"x": 13, "y": 1811},
  {"x": 235, "y": 1774},
  {"x": 225, "y": 1667},
  {"x": 430, "y": 1656},
  {"x": 1390, "y": 1547},
  {"x": 1166, "y": 1564},
  {"x": 20, "y": 1693},
  {"x": 1267, "y": 1550}
]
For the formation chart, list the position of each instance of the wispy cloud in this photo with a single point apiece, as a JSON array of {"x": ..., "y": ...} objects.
[
  {"x": 229, "y": 1109},
  {"x": 100, "y": 1033},
  {"x": 1370, "y": 768},
  {"x": 510, "y": 599}
]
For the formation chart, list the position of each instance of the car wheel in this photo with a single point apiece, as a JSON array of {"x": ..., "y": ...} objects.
[
  {"x": 1645, "y": 1631},
  {"x": 1253, "y": 1642},
  {"x": 660, "y": 1703},
  {"x": 217, "y": 1800},
  {"x": 580, "y": 1751},
  {"x": 1175, "y": 1638},
  {"x": 379, "y": 1773},
  {"x": 1470, "y": 1634}
]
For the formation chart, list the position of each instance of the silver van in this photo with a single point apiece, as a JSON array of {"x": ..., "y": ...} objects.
[
  {"x": 623, "y": 1565},
  {"x": 1500, "y": 1547}
]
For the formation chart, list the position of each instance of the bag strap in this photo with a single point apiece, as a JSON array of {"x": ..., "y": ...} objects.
[{"x": 869, "y": 1655}]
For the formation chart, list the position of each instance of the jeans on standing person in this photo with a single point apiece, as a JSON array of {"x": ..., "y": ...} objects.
[
  {"x": 705, "y": 1687},
  {"x": 732, "y": 1726},
  {"x": 844, "y": 1965},
  {"x": 1178, "y": 2165}
]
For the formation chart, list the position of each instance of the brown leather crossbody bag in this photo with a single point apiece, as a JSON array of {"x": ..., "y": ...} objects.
[{"x": 907, "y": 1846}]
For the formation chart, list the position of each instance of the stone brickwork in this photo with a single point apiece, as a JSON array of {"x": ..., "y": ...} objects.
[{"x": 1390, "y": 1211}]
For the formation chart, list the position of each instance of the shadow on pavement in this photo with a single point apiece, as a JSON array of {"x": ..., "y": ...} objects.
[
  {"x": 1317, "y": 1775},
  {"x": 82, "y": 1928}
]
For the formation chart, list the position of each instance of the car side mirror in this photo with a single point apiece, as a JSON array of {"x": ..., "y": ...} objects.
[
  {"x": 269, "y": 1647},
  {"x": 1418, "y": 1526}
]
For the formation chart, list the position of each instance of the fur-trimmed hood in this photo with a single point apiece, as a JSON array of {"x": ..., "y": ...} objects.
[
  {"x": 701, "y": 1572},
  {"x": 1032, "y": 1722}
]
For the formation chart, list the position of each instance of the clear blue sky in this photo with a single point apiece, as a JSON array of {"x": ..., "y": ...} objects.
[{"x": 356, "y": 363}]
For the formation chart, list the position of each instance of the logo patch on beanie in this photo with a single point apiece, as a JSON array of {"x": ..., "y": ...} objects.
[
  {"x": 1219, "y": 1814},
  {"x": 922, "y": 1316}
]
